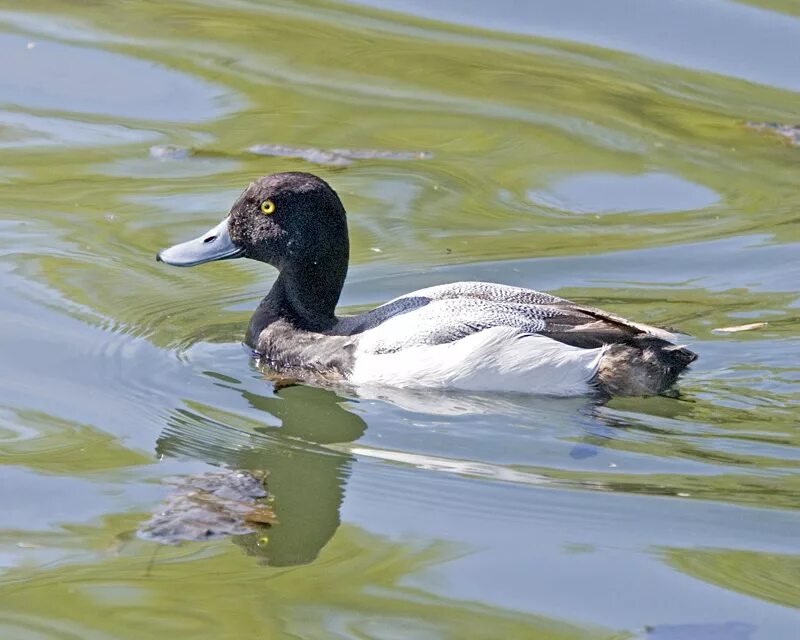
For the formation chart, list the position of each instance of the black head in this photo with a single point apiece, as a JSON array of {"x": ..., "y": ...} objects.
[
  {"x": 293, "y": 221},
  {"x": 290, "y": 220}
]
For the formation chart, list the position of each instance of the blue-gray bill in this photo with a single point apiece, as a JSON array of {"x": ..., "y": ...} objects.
[{"x": 215, "y": 244}]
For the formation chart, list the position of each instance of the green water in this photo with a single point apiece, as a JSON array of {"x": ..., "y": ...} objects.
[{"x": 600, "y": 154}]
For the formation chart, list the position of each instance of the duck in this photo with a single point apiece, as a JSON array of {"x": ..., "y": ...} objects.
[{"x": 469, "y": 336}]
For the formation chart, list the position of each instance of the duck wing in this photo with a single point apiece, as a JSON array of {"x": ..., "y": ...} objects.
[
  {"x": 486, "y": 291},
  {"x": 447, "y": 313},
  {"x": 582, "y": 323},
  {"x": 591, "y": 328}
]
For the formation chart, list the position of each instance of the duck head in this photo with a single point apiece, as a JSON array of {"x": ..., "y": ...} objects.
[
  {"x": 289, "y": 220},
  {"x": 294, "y": 222}
]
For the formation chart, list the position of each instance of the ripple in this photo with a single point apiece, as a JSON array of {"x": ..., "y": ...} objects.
[
  {"x": 614, "y": 193},
  {"x": 55, "y": 76},
  {"x": 647, "y": 31},
  {"x": 771, "y": 577},
  {"x": 47, "y": 443},
  {"x": 24, "y": 130},
  {"x": 406, "y": 508}
]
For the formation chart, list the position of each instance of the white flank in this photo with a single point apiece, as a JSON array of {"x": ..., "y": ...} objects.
[{"x": 495, "y": 359}]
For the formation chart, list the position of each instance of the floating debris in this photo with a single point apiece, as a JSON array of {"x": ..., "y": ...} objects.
[
  {"x": 335, "y": 157},
  {"x": 329, "y": 157},
  {"x": 29, "y": 545},
  {"x": 789, "y": 131},
  {"x": 701, "y": 631},
  {"x": 211, "y": 505},
  {"x": 741, "y": 327},
  {"x": 373, "y": 154},
  {"x": 170, "y": 152},
  {"x": 317, "y": 156}
]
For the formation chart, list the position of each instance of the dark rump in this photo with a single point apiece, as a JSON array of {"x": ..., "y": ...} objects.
[{"x": 642, "y": 366}]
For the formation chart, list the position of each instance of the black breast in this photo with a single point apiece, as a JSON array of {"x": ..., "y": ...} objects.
[{"x": 284, "y": 347}]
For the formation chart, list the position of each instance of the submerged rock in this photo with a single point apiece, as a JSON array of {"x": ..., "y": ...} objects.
[
  {"x": 789, "y": 131},
  {"x": 210, "y": 505},
  {"x": 170, "y": 152},
  {"x": 374, "y": 154},
  {"x": 329, "y": 157},
  {"x": 701, "y": 631},
  {"x": 335, "y": 157},
  {"x": 317, "y": 156}
]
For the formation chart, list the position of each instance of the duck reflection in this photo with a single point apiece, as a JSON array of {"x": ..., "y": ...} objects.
[
  {"x": 289, "y": 432},
  {"x": 306, "y": 478}
]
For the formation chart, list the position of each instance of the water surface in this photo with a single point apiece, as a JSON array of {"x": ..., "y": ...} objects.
[{"x": 579, "y": 148}]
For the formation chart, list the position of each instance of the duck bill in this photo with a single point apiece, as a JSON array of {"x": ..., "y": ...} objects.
[{"x": 214, "y": 244}]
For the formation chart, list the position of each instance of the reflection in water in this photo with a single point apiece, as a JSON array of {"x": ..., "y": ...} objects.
[
  {"x": 360, "y": 591},
  {"x": 610, "y": 193},
  {"x": 705, "y": 631},
  {"x": 439, "y": 536},
  {"x": 309, "y": 460},
  {"x": 309, "y": 455},
  {"x": 306, "y": 479},
  {"x": 769, "y": 576}
]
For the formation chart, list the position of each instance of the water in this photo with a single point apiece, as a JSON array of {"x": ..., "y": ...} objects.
[{"x": 598, "y": 151}]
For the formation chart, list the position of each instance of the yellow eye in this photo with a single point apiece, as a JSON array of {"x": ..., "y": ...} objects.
[{"x": 268, "y": 207}]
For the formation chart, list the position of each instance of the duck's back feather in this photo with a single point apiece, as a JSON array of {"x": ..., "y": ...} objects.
[{"x": 441, "y": 314}]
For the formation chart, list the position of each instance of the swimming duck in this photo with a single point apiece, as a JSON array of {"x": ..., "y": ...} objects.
[{"x": 468, "y": 335}]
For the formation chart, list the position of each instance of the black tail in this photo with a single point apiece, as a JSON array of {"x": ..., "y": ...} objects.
[
  {"x": 644, "y": 366},
  {"x": 677, "y": 356}
]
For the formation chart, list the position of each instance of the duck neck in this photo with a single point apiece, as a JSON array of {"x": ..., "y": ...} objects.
[{"x": 304, "y": 295}]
